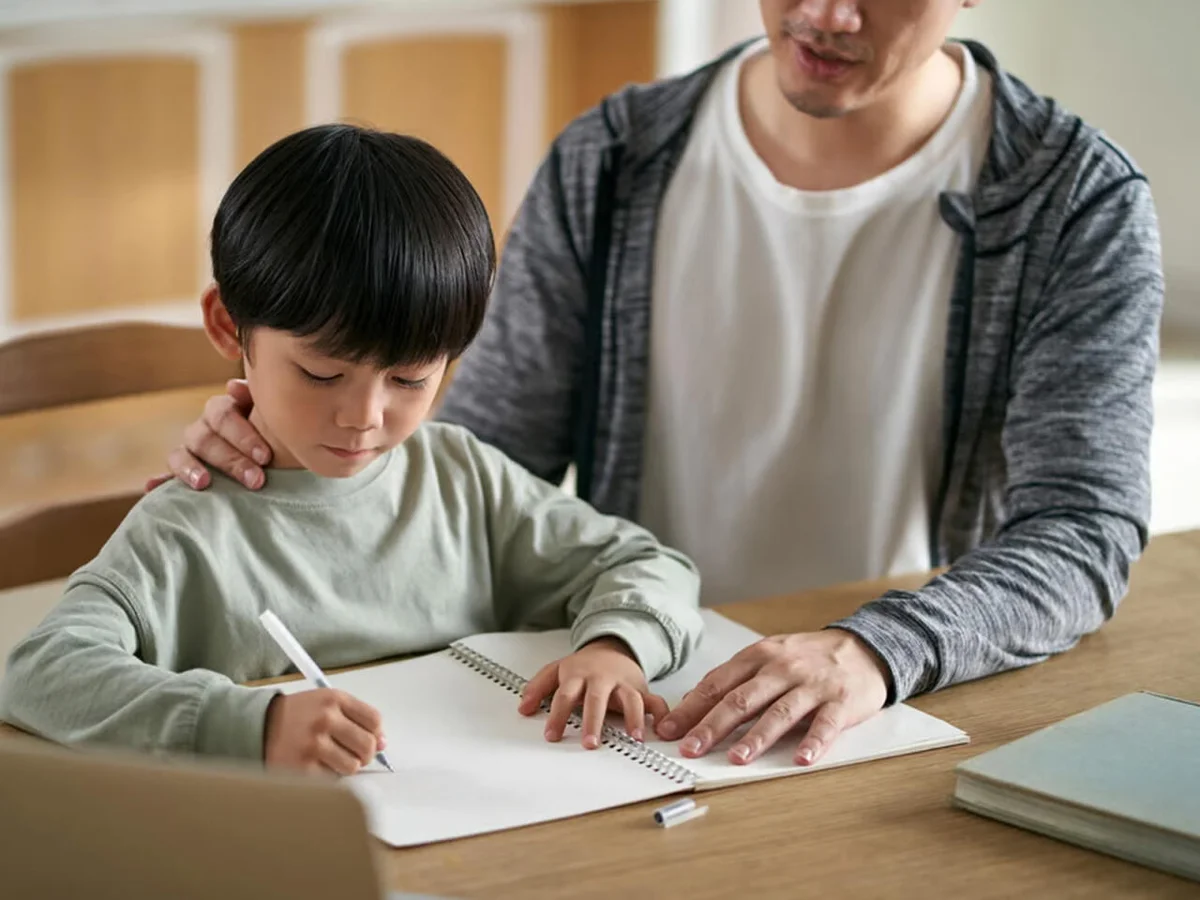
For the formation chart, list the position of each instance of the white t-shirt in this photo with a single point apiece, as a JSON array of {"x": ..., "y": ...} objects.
[{"x": 797, "y": 342}]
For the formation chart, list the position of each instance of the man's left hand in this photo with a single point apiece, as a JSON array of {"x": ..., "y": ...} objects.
[{"x": 830, "y": 677}]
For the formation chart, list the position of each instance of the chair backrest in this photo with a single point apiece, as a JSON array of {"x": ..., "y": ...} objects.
[
  {"x": 51, "y": 542},
  {"x": 106, "y": 361}
]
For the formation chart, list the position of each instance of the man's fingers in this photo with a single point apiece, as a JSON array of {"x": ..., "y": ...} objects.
[
  {"x": 203, "y": 443},
  {"x": 705, "y": 695},
  {"x": 740, "y": 705},
  {"x": 187, "y": 469},
  {"x": 539, "y": 687},
  {"x": 777, "y": 720},
  {"x": 566, "y": 698},
  {"x": 157, "y": 481},
  {"x": 827, "y": 724},
  {"x": 239, "y": 390},
  {"x": 224, "y": 418},
  {"x": 595, "y": 705}
]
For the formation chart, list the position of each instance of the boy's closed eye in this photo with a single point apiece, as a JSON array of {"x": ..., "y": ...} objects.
[{"x": 412, "y": 384}]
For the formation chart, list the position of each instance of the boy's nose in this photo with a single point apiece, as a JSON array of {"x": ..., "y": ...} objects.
[{"x": 363, "y": 412}]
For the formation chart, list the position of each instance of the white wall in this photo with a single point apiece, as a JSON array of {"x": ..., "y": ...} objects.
[
  {"x": 1134, "y": 71},
  {"x": 1131, "y": 69}
]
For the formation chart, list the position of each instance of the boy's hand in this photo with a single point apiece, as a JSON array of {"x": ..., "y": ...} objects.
[
  {"x": 321, "y": 730},
  {"x": 602, "y": 675}
]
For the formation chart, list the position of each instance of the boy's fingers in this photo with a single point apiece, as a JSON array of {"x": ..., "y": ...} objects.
[
  {"x": 362, "y": 714},
  {"x": 595, "y": 705},
  {"x": 656, "y": 706},
  {"x": 566, "y": 698},
  {"x": 355, "y": 739},
  {"x": 539, "y": 687},
  {"x": 634, "y": 710},
  {"x": 335, "y": 757}
]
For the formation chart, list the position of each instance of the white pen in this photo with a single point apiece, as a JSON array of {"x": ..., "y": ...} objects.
[{"x": 302, "y": 661}]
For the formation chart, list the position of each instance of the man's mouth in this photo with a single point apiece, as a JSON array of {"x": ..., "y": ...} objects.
[{"x": 821, "y": 62}]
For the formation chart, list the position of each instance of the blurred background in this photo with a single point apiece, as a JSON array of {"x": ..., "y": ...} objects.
[{"x": 123, "y": 121}]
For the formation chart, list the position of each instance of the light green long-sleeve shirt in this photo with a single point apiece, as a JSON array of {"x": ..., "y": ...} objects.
[{"x": 441, "y": 538}]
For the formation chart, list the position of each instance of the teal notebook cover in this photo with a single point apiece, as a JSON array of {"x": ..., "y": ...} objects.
[{"x": 1136, "y": 757}]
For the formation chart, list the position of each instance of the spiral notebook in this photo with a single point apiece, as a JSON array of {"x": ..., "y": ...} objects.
[{"x": 467, "y": 763}]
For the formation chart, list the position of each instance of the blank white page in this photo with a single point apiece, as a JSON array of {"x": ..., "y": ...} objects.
[
  {"x": 468, "y": 763},
  {"x": 897, "y": 730}
]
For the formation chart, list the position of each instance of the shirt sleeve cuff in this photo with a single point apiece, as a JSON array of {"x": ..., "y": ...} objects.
[
  {"x": 911, "y": 661},
  {"x": 232, "y": 721},
  {"x": 645, "y": 637}
]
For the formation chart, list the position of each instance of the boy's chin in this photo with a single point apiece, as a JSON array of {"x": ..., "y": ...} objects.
[{"x": 330, "y": 464}]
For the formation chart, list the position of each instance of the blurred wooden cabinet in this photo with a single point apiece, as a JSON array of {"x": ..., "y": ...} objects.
[{"x": 116, "y": 144}]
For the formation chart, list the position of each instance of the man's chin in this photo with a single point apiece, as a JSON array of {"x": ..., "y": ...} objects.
[{"x": 818, "y": 104}]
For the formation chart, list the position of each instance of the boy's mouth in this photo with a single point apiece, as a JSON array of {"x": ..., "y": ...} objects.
[{"x": 349, "y": 454}]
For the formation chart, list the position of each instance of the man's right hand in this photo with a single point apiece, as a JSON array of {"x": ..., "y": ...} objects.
[
  {"x": 223, "y": 438},
  {"x": 321, "y": 731}
]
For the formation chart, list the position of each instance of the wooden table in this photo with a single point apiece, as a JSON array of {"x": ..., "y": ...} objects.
[{"x": 880, "y": 829}]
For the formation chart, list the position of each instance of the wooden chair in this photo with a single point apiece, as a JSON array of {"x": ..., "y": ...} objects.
[
  {"x": 79, "y": 366},
  {"x": 105, "y": 361},
  {"x": 52, "y": 542}
]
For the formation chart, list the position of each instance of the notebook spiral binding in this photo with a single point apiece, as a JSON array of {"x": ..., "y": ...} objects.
[{"x": 610, "y": 737}]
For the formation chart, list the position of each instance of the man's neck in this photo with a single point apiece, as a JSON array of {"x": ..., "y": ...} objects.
[{"x": 822, "y": 154}]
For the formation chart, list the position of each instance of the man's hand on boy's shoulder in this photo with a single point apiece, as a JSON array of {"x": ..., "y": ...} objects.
[
  {"x": 600, "y": 676},
  {"x": 224, "y": 438},
  {"x": 321, "y": 731}
]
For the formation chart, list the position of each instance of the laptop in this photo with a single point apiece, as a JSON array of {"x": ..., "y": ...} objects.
[{"x": 92, "y": 825}]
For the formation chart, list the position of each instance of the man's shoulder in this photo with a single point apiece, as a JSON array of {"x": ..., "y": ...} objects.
[
  {"x": 1041, "y": 147},
  {"x": 641, "y": 116}
]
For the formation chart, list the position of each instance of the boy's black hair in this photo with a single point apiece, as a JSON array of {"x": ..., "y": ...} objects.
[{"x": 374, "y": 244}]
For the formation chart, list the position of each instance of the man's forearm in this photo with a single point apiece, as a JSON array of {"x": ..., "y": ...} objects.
[{"x": 1032, "y": 592}]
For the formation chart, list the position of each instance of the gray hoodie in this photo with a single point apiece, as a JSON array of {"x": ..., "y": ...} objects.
[{"x": 1052, "y": 344}]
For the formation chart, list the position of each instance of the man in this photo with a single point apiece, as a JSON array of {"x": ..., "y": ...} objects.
[{"x": 847, "y": 302}]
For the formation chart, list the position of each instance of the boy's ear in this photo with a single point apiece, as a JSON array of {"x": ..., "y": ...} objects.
[{"x": 219, "y": 326}]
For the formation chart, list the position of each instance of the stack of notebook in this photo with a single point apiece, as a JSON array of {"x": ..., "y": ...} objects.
[{"x": 1123, "y": 779}]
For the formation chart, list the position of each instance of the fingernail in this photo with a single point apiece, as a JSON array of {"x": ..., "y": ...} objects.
[
  {"x": 668, "y": 729},
  {"x": 691, "y": 745},
  {"x": 591, "y": 742},
  {"x": 550, "y": 735},
  {"x": 250, "y": 479},
  {"x": 382, "y": 742},
  {"x": 193, "y": 478},
  {"x": 638, "y": 734},
  {"x": 261, "y": 456},
  {"x": 805, "y": 756},
  {"x": 741, "y": 752}
]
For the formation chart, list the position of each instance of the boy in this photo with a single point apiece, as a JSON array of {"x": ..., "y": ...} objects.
[{"x": 350, "y": 267}]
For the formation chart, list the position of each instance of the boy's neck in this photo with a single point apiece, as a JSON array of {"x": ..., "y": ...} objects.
[{"x": 281, "y": 457}]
